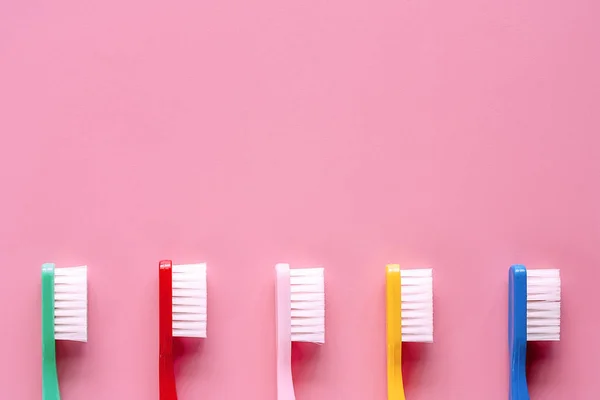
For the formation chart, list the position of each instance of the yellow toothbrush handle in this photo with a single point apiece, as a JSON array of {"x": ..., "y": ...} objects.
[{"x": 394, "y": 333}]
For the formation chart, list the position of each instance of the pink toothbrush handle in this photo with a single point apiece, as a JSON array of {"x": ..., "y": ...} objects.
[{"x": 285, "y": 385}]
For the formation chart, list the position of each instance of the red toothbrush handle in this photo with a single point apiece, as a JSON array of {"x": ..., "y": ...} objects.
[{"x": 166, "y": 372}]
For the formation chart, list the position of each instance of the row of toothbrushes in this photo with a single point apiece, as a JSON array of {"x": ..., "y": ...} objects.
[{"x": 534, "y": 315}]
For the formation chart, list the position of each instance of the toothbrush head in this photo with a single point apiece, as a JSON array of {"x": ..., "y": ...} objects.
[
  {"x": 189, "y": 300},
  {"x": 307, "y": 300},
  {"x": 70, "y": 304},
  {"x": 416, "y": 293},
  {"x": 543, "y": 305}
]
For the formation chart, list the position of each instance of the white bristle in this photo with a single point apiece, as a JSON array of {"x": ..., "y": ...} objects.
[
  {"x": 543, "y": 304},
  {"x": 189, "y": 300},
  {"x": 70, "y": 304},
  {"x": 307, "y": 287},
  {"x": 417, "y": 305}
]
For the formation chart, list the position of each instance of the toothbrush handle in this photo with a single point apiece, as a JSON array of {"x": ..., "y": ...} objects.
[
  {"x": 395, "y": 384},
  {"x": 166, "y": 372},
  {"x": 166, "y": 375},
  {"x": 285, "y": 384},
  {"x": 517, "y": 332},
  {"x": 394, "y": 333},
  {"x": 50, "y": 390}
]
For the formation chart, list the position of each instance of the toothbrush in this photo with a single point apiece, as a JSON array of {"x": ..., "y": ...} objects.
[
  {"x": 533, "y": 315},
  {"x": 64, "y": 317},
  {"x": 182, "y": 313},
  {"x": 409, "y": 295},
  {"x": 300, "y": 318}
]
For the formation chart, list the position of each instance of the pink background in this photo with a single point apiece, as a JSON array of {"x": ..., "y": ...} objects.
[{"x": 461, "y": 135}]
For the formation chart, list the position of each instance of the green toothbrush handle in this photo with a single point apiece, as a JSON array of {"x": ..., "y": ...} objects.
[{"x": 50, "y": 389}]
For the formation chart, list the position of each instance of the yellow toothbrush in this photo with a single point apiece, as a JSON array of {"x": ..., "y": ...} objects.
[{"x": 409, "y": 311}]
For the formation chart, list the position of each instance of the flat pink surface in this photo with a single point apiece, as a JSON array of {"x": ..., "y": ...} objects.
[{"x": 459, "y": 135}]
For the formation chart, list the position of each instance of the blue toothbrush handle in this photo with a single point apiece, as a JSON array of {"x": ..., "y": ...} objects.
[{"x": 517, "y": 332}]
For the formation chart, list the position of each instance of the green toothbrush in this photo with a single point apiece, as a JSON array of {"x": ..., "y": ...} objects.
[{"x": 64, "y": 317}]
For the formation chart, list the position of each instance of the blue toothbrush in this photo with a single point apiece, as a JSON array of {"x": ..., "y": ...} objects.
[{"x": 533, "y": 315}]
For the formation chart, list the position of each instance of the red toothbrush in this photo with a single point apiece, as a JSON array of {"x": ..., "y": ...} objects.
[{"x": 182, "y": 313}]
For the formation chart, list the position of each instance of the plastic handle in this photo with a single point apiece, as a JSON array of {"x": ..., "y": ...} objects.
[
  {"x": 285, "y": 384},
  {"x": 50, "y": 389},
  {"x": 394, "y": 333},
  {"x": 166, "y": 372},
  {"x": 517, "y": 331}
]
